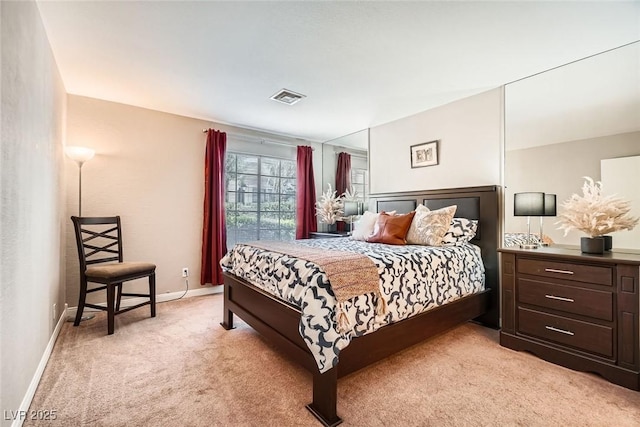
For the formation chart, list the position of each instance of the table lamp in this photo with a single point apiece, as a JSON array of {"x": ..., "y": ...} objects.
[
  {"x": 352, "y": 209},
  {"x": 549, "y": 210},
  {"x": 528, "y": 204}
]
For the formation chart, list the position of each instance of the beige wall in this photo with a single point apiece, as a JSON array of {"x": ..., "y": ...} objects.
[
  {"x": 32, "y": 270},
  {"x": 470, "y": 134},
  {"x": 149, "y": 169}
]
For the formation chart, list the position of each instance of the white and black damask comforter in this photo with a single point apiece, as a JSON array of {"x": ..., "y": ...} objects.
[{"x": 413, "y": 279}]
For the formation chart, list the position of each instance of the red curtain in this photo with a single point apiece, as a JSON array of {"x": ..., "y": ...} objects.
[
  {"x": 306, "y": 194},
  {"x": 214, "y": 231},
  {"x": 343, "y": 180}
]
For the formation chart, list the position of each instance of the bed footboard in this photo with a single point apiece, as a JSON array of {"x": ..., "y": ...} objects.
[{"x": 278, "y": 323}]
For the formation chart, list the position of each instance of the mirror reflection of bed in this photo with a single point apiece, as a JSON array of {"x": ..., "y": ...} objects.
[{"x": 582, "y": 119}]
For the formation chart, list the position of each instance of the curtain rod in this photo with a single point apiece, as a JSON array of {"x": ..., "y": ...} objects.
[
  {"x": 249, "y": 138},
  {"x": 351, "y": 154}
]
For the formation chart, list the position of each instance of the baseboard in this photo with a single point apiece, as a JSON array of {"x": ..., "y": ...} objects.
[
  {"x": 22, "y": 412},
  {"x": 170, "y": 296}
]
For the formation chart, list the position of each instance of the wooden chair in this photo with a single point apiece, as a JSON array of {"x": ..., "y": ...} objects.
[{"x": 99, "y": 241}]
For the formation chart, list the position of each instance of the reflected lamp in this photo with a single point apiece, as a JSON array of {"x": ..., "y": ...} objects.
[
  {"x": 549, "y": 210},
  {"x": 528, "y": 204},
  {"x": 350, "y": 210}
]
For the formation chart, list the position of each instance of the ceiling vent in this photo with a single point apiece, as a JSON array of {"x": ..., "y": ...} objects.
[{"x": 287, "y": 96}]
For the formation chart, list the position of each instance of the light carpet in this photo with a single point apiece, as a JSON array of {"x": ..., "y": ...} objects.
[{"x": 183, "y": 369}]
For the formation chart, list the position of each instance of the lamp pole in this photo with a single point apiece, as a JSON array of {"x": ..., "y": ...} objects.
[
  {"x": 80, "y": 163},
  {"x": 80, "y": 155}
]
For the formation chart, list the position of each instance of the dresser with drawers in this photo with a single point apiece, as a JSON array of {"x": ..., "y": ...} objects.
[{"x": 574, "y": 309}]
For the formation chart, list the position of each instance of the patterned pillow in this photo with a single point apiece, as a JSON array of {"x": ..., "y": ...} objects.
[
  {"x": 461, "y": 230},
  {"x": 429, "y": 227}
]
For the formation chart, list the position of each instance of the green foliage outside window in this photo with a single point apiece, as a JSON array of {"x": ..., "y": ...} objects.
[{"x": 259, "y": 198}]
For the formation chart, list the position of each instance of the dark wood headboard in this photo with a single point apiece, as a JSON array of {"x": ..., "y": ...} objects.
[{"x": 481, "y": 203}]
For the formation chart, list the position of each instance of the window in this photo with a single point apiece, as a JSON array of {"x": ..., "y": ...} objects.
[
  {"x": 360, "y": 182},
  {"x": 260, "y": 198}
]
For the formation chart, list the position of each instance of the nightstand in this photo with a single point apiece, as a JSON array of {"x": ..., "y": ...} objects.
[
  {"x": 327, "y": 235},
  {"x": 573, "y": 309}
]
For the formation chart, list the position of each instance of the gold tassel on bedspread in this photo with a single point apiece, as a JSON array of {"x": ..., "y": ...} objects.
[
  {"x": 351, "y": 274},
  {"x": 343, "y": 319}
]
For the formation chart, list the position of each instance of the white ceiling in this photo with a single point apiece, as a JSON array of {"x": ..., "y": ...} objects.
[{"x": 360, "y": 64}]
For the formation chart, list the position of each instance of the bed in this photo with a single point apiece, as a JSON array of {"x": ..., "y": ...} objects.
[
  {"x": 520, "y": 238},
  {"x": 279, "y": 321}
]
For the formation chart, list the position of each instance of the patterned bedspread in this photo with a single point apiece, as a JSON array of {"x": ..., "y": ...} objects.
[
  {"x": 413, "y": 279},
  {"x": 517, "y": 239}
]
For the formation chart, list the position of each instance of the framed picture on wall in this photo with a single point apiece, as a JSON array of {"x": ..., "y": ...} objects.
[{"x": 425, "y": 154}]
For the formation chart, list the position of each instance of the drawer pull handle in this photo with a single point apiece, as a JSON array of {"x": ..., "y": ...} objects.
[
  {"x": 559, "y": 298},
  {"x": 553, "y": 270},
  {"x": 562, "y": 331}
]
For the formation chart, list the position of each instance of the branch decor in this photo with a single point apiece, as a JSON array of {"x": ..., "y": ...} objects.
[
  {"x": 595, "y": 214},
  {"x": 329, "y": 207},
  {"x": 351, "y": 195}
]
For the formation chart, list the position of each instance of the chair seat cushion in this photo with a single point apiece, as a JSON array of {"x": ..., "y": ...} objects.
[{"x": 110, "y": 271}]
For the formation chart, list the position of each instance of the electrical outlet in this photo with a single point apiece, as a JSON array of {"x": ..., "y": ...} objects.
[
  {"x": 185, "y": 272},
  {"x": 55, "y": 311}
]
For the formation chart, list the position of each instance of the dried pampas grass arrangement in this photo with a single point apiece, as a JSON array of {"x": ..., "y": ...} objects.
[
  {"x": 595, "y": 214},
  {"x": 329, "y": 207},
  {"x": 351, "y": 195}
]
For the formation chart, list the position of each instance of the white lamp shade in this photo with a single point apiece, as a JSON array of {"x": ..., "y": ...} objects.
[{"x": 79, "y": 154}]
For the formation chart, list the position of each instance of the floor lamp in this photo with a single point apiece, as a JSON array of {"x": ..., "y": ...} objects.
[{"x": 80, "y": 155}]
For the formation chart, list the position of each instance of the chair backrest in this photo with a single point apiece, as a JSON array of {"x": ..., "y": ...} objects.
[{"x": 99, "y": 240}]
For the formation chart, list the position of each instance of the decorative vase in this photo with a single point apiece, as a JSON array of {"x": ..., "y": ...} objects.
[
  {"x": 608, "y": 242},
  {"x": 592, "y": 245}
]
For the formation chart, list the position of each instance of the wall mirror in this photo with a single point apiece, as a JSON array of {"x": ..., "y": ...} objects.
[
  {"x": 357, "y": 146},
  {"x": 581, "y": 119}
]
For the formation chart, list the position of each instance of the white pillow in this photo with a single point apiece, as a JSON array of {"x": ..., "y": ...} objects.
[{"x": 364, "y": 227}]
